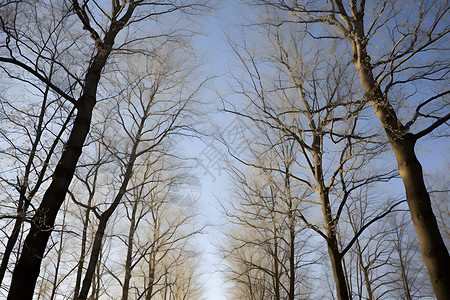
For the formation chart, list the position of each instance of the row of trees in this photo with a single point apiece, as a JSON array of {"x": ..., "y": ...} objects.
[
  {"x": 317, "y": 171},
  {"x": 95, "y": 95}
]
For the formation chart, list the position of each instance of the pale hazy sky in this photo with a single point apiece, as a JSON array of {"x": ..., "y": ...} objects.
[{"x": 214, "y": 183}]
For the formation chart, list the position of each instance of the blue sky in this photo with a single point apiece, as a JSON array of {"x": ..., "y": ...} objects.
[{"x": 215, "y": 185}]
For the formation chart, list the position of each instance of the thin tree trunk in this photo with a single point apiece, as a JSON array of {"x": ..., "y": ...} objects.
[
  {"x": 291, "y": 295},
  {"x": 98, "y": 241},
  {"x": 128, "y": 262},
  {"x": 151, "y": 276},
  {"x": 291, "y": 262},
  {"x": 83, "y": 250},
  {"x": 365, "y": 271},
  {"x": 276, "y": 276},
  {"x": 99, "y": 234},
  {"x": 331, "y": 226},
  {"x": 96, "y": 249},
  {"x": 276, "y": 272}
]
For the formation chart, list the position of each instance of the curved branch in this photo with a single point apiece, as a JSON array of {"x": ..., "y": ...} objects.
[
  {"x": 40, "y": 77},
  {"x": 432, "y": 127},
  {"x": 360, "y": 231}
]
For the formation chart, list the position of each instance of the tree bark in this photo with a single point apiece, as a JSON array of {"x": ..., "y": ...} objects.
[
  {"x": 291, "y": 219},
  {"x": 27, "y": 269},
  {"x": 338, "y": 270},
  {"x": 434, "y": 251}
]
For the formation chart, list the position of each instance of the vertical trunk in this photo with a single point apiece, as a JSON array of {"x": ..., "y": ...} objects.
[
  {"x": 338, "y": 270},
  {"x": 151, "y": 275},
  {"x": 404, "y": 276},
  {"x": 97, "y": 281},
  {"x": 276, "y": 277},
  {"x": 331, "y": 226},
  {"x": 96, "y": 249},
  {"x": 104, "y": 218},
  {"x": 287, "y": 183},
  {"x": 365, "y": 271},
  {"x": 434, "y": 251},
  {"x": 333, "y": 250},
  {"x": 291, "y": 263},
  {"x": 276, "y": 268},
  {"x": 99, "y": 234},
  {"x": 83, "y": 250},
  {"x": 27, "y": 269},
  {"x": 128, "y": 262}
]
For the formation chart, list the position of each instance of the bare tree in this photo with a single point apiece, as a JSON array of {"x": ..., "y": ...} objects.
[
  {"x": 367, "y": 264},
  {"x": 147, "y": 123},
  {"x": 408, "y": 279},
  {"x": 161, "y": 244},
  {"x": 39, "y": 123},
  {"x": 102, "y": 23},
  {"x": 311, "y": 100},
  {"x": 265, "y": 248},
  {"x": 399, "y": 50}
]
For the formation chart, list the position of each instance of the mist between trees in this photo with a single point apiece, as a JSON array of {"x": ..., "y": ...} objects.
[{"x": 328, "y": 101}]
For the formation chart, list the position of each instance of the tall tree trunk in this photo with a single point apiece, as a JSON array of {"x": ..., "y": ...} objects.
[
  {"x": 434, "y": 251},
  {"x": 151, "y": 278},
  {"x": 96, "y": 250},
  {"x": 291, "y": 259},
  {"x": 27, "y": 269},
  {"x": 291, "y": 218},
  {"x": 276, "y": 276},
  {"x": 333, "y": 249},
  {"x": 276, "y": 268},
  {"x": 104, "y": 218}
]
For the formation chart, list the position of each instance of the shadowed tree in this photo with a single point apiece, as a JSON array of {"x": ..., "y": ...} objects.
[
  {"x": 149, "y": 112},
  {"x": 299, "y": 95},
  {"x": 102, "y": 23},
  {"x": 400, "y": 52}
]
